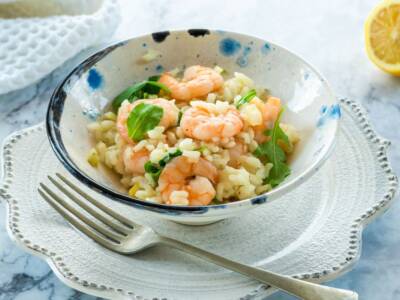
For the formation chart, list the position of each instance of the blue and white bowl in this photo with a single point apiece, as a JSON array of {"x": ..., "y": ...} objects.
[{"x": 310, "y": 106}]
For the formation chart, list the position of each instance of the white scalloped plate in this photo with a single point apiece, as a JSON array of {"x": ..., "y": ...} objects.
[{"x": 312, "y": 233}]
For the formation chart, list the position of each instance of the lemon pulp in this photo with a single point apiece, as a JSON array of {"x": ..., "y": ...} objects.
[{"x": 382, "y": 37}]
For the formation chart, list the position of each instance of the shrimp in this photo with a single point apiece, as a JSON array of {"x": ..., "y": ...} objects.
[
  {"x": 170, "y": 115},
  {"x": 177, "y": 176},
  {"x": 204, "y": 122},
  {"x": 235, "y": 153},
  {"x": 134, "y": 161},
  {"x": 197, "y": 82},
  {"x": 270, "y": 111}
]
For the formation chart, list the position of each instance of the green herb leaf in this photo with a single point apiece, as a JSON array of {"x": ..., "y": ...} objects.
[
  {"x": 154, "y": 78},
  {"x": 138, "y": 91},
  {"x": 166, "y": 159},
  {"x": 246, "y": 98},
  {"x": 278, "y": 173},
  {"x": 153, "y": 87},
  {"x": 180, "y": 114},
  {"x": 268, "y": 150},
  {"x": 149, "y": 167},
  {"x": 127, "y": 94},
  {"x": 201, "y": 149},
  {"x": 272, "y": 152},
  {"x": 280, "y": 135},
  {"x": 143, "y": 117},
  {"x": 155, "y": 169}
]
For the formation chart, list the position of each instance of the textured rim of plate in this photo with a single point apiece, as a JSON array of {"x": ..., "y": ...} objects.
[{"x": 61, "y": 270}]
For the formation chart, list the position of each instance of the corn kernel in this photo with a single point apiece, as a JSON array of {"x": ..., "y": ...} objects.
[
  {"x": 93, "y": 157},
  {"x": 134, "y": 189}
]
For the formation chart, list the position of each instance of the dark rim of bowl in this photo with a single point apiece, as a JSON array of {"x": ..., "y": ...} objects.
[{"x": 53, "y": 117}]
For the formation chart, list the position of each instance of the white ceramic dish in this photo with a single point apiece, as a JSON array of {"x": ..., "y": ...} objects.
[
  {"x": 313, "y": 232},
  {"x": 311, "y": 106}
]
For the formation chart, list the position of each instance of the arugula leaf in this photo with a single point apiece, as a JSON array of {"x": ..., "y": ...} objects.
[
  {"x": 155, "y": 169},
  {"x": 140, "y": 90},
  {"x": 149, "y": 167},
  {"x": 246, "y": 98},
  {"x": 154, "y": 78},
  {"x": 154, "y": 87},
  {"x": 143, "y": 118},
  {"x": 280, "y": 135},
  {"x": 166, "y": 159},
  {"x": 127, "y": 94},
  {"x": 268, "y": 150},
  {"x": 278, "y": 173},
  {"x": 272, "y": 152},
  {"x": 180, "y": 114}
]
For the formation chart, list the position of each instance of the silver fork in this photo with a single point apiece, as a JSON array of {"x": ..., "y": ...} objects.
[{"x": 126, "y": 237}]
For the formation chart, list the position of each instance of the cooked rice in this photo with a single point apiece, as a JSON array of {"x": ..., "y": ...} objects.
[{"x": 240, "y": 180}]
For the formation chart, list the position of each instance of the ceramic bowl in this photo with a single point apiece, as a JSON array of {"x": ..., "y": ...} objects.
[{"x": 310, "y": 106}]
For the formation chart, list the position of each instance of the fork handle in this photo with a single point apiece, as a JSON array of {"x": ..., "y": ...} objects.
[{"x": 303, "y": 289}]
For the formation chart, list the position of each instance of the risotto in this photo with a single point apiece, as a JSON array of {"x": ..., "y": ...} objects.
[{"x": 194, "y": 138}]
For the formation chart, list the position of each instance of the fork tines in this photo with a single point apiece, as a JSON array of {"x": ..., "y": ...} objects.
[{"x": 117, "y": 227}]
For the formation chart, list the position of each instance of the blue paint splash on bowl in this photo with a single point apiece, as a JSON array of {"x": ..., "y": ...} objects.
[
  {"x": 94, "y": 79},
  {"x": 229, "y": 46},
  {"x": 91, "y": 113},
  {"x": 336, "y": 113},
  {"x": 329, "y": 113},
  {"x": 258, "y": 200},
  {"x": 218, "y": 206},
  {"x": 266, "y": 48},
  {"x": 243, "y": 59},
  {"x": 159, "y": 68}
]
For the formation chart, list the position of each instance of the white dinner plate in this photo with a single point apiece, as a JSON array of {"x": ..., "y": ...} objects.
[{"x": 313, "y": 232}]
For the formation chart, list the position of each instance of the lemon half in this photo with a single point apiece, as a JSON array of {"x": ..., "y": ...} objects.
[{"x": 382, "y": 36}]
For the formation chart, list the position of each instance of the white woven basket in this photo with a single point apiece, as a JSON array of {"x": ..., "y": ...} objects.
[{"x": 37, "y": 36}]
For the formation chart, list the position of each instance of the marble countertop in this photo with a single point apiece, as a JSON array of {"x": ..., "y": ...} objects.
[{"x": 328, "y": 34}]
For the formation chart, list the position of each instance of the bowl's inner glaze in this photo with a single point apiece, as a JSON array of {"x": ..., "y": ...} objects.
[{"x": 309, "y": 104}]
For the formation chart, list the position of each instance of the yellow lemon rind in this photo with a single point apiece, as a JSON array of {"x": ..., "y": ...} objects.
[{"x": 393, "y": 69}]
